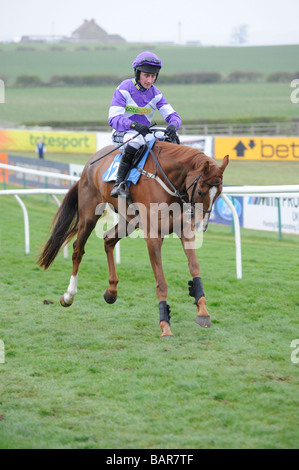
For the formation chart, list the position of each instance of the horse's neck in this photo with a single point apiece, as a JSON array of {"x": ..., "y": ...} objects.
[
  {"x": 177, "y": 169},
  {"x": 176, "y": 172}
]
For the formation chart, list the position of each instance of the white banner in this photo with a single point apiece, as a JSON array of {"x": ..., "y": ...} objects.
[
  {"x": 76, "y": 169},
  {"x": 201, "y": 142},
  {"x": 103, "y": 139},
  {"x": 261, "y": 213}
]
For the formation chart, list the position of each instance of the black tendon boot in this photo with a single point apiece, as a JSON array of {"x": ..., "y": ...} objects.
[{"x": 124, "y": 166}]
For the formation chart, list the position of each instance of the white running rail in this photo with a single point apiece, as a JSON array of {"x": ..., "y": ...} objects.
[{"x": 17, "y": 192}]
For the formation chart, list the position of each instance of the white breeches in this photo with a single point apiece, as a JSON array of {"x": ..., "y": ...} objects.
[{"x": 138, "y": 141}]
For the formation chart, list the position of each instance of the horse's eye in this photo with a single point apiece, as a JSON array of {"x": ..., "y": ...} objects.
[{"x": 200, "y": 193}]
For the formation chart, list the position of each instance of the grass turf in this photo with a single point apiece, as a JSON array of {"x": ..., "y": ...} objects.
[{"x": 99, "y": 376}]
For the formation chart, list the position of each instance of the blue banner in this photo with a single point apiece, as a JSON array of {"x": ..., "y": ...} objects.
[{"x": 221, "y": 213}]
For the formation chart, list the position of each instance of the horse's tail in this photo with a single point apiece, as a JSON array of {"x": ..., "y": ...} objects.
[{"x": 65, "y": 227}]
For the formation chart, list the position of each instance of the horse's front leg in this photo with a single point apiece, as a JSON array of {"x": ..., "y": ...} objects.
[
  {"x": 195, "y": 286},
  {"x": 110, "y": 240},
  {"x": 154, "y": 248}
]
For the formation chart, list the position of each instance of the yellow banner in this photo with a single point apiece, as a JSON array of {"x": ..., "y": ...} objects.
[
  {"x": 55, "y": 142},
  {"x": 257, "y": 148}
]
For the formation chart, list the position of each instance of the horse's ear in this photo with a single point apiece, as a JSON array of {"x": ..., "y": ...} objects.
[{"x": 224, "y": 162}]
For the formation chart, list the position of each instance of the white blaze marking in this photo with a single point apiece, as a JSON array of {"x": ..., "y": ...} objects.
[{"x": 212, "y": 193}]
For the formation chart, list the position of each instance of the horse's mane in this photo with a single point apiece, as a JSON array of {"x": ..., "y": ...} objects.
[{"x": 190, "y": 156}]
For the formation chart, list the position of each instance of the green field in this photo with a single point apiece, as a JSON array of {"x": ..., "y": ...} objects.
[
  {"x": 99, "y": 59},
  {"x": 193, "y": 102},
  {"x": 226, "y": 101},
  {"x": 99, "y": 376}
]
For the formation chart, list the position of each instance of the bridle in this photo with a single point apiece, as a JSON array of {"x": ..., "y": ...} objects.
[{"x": 194, "y": 184}]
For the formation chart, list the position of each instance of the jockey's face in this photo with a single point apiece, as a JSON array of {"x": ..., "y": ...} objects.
[{"x": 147, "y": 79}]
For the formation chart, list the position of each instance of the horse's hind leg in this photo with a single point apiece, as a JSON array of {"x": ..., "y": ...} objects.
[
  {"x": 195, "y": 286},
  {"x": 67, "y": 298},
  {"x": 86, "y": 226}
]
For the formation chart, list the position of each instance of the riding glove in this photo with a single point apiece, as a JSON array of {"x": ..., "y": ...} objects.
[
  {"x": 142, "y": 129},
  {"x": 171, "y": 132}
]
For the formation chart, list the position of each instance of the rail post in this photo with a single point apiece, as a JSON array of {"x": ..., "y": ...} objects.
[{"x": 279, "y": 218}]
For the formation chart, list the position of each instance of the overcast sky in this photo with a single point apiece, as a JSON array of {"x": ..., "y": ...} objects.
[{"x": 211, "y": 21}]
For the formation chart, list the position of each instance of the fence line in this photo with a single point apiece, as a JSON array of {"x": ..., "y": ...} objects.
[
  {"x": 266, "y": 191},
  {"x": 52, "y": 192},
  {"x": 253, "y": 129},
  {"x": 234, "y": 128},
  {"x": 277, "y": 191},
  {"x": 49, "y": 174}
]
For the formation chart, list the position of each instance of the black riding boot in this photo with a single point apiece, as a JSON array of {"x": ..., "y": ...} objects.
[{"x": 124, "y": 166}]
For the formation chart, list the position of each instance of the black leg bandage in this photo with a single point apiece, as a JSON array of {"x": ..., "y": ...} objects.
[
  {"x": 164, "y": 311},
  {"x": 196, "y": 288}
]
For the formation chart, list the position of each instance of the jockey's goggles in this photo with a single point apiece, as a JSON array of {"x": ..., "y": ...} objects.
[{"x": 150, "y": 60}]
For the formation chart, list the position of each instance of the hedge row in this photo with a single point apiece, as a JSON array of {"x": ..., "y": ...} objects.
[
  {"x": 282, "y": 77},
  {"x": 84, "y": 80},
  {"x": 178, "y": 78},
  {"x": 63, "y": 49},
  {"x": 98, "y": 80}
]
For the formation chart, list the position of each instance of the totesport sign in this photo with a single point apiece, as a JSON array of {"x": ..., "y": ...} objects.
[{"x": 56, "y": 142}]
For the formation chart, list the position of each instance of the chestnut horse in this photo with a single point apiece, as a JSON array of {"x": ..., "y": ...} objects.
[{"x": 181, "y": 180}]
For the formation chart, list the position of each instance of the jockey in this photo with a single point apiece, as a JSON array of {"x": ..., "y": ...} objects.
[{"x": 131, "y": 112}]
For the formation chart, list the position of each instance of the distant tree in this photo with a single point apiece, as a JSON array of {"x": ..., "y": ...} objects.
[{"x": 239, "y": 34}]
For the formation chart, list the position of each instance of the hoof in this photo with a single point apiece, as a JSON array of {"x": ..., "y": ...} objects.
[
  {"x": 108, "y": 298},
  {"x": 166, "y": 335},
  {"x": 204, "y": 322},
  {"x": 62, "y": 302},
  {"x": 165, "y": 327}
]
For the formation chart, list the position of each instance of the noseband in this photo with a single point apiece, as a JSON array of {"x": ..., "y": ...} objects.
[{"x": 194, "y": 184}]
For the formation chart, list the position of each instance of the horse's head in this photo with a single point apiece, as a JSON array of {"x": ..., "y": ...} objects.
[{"x": 204, "y": 185}]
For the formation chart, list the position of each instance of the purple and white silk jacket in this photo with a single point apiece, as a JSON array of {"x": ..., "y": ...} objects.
[{"x": 129, "y": 104}]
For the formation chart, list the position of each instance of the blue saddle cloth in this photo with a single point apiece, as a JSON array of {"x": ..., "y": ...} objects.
[{"x": 134, "y": 175}]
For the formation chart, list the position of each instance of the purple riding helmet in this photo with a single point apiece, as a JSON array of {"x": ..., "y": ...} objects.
[{"x": 147, "y": 62}]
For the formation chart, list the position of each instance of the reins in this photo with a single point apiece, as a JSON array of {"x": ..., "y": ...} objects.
[{"x": 175, "y": 192}]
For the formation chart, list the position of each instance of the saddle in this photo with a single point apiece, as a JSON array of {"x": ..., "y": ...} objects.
[
  {"x": 137, "y": 157},
  {"x": 133, "y": 174}
]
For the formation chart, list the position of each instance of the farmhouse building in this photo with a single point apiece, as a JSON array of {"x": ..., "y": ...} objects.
[{"x": 89, "y": 31}]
